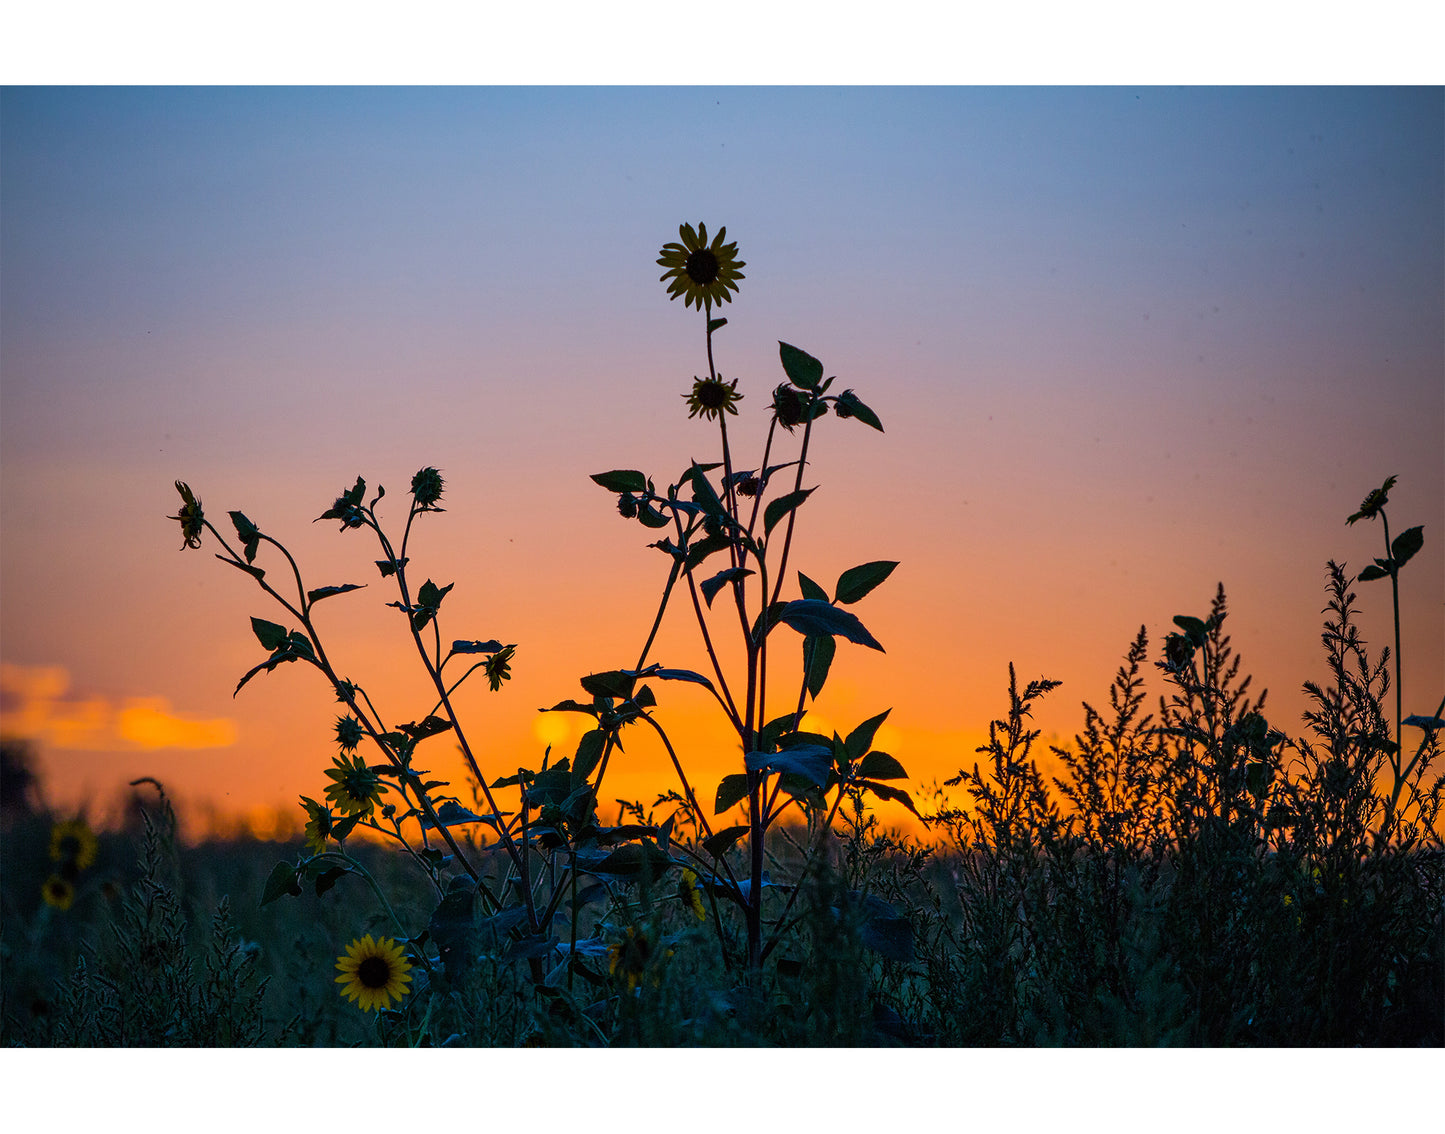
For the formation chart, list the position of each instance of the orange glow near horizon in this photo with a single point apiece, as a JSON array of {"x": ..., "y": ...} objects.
[{"x": 1125, "y": 345}]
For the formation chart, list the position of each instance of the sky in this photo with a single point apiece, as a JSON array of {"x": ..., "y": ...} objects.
[{"x": 1126, "y": 343}]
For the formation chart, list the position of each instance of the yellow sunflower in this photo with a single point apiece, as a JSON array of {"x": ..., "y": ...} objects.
[
  {"x": 702, "y": 273},
  {"x": 373, "y": 973},
  {"x": 74, "y": 842},
  {"x": 712, "y": 397},
  {"x": 58, "y": 892},
  {"x": 318, "y": 824},
  {"x": 357, "y": 788},
  {"x": 687, "y": 890},
  {"x": 629, "y": 958}
]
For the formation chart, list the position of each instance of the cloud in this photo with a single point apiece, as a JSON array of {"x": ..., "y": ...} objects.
[{"x": 34, "y": 705}]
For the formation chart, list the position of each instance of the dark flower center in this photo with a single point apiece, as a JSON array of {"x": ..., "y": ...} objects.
[
  {"x": 69, "y": 847},
  {"x": 701, "y": 267},
  {"x": 374, "y": 972},
  {"x": 712, "y": 394}
]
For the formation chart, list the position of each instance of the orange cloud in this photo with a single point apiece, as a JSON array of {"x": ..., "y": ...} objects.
[{"x": 34, "y": 705}]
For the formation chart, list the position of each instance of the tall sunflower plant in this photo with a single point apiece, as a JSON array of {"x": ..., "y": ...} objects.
[
  {"x": 528, "y": 872},
  {"x": 727, "y": 532}
]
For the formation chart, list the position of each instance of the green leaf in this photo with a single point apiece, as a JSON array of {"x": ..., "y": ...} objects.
[
  {"x": 247, "y": 533},
  {"x": 810, "y": 589},
  {"x": 268, "y": 634},
  {"x": 621, "y": 480},
  {"x": 732, "y": 789},
  {"x": 326, "y": 592},
  {"x": 883, "y": 791},
  {"x": 861, "y": 738},
  {"x": 710, "y": 587},
  {"x": 697, "y": 552},
  {"x": 452, "y": 814},
  {"x": 817, "y": 618},
  {"x": 812, "y": 761},
  {"x": 614, "y": 683},
  {"x": 802, "y": 369},
  {"x": 723, "y": 841},
  {"x": 490, "y": 646},
  {"x": 1406, "y": 544},
  {"x": 282, "y": 880},
  {"x": 780, "y": 507},
  {"x": 632, "y": 860},
  {"x": 589, "y": 752},
  {"x": 849, "y": 405},
  {"x": 328, "y": 878},
  {"x": 650, "y": 517},
  {"x": 856, "y": 582},
  {"x": 881, "y": 766},
  {"x": 704, "y": 494},
  {"x": 818, "y": 651}
]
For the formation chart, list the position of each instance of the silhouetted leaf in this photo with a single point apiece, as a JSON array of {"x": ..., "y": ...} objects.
[
  {"x": 814, "y": 617},
  {"x": 780, "y": 507},
  {"x": 1371, "y": 573},
  {"x": 1406, "y": 544},
  {"x": 850, "y": 405},
  {"x": 710, "y": 587},
  {"x": 723, "y": 841},
  {"x": 621, "y": 480},
  {"x": 856, "y": 582},
  {"x": 810, "y": 589},
  {"x": 802, "y": 369},
  {"x": 247, "y": 533},
  {"x": 326, "y": 592},
  {"x": 812, "y": 761},
  {"x": 282, "y": 880},
  {"x": 490, "y": 646},
  {"x": 881, "y": 766},
  {"x": 861, "y": 738},
  {"x": 883, "y": 791},
  {"x": 732, "y": 789},
  {"x": 268, "y": 633},
  {"x": 817, "y": 659},
  {"x": 614, "y": 683}
]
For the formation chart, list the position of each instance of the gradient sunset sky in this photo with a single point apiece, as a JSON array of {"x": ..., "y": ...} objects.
[{"x": 1126, "y": 343}]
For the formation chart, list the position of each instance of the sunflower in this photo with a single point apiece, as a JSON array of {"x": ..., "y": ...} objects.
[
  {"x": 318, "y": 824},
  {"x": 58, "y": 892},
  {"x": 374, "y": 973},
  {"x": 687, "y": 890},
  {"x": 712, "y": 397},
  {"x": 629, "y": 957},
  {"x": 701, "y": 273},
  {"x": 357, "y": 787},
  {"x": 73, "y": 842},
  {"x": 192, "y": 518}
]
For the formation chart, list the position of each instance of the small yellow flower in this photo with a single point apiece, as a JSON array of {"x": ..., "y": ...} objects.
[
  {"x": 373, "y": 973},
  {"x": 701, "y": 273},
  {"x": 712, "y": 397},
  {"x": 73, "y": 842},
  {"x": 687, "y": 890},
  {"x": 58, "y": 892}
]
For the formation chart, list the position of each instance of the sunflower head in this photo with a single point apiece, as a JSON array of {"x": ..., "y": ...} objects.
[
  {"x": 1371, "y": 505},
  {"x": 700, "y": 272},
  {"x": 687, "y": 890},
  {"x": 191, "y": 517},
  {"x": 628, "y": 959},
  {"x": 712, "y": 397},
  {"x": 318, "y": 824},
  {"x": 499, "y": 667},
  {"x": 426, "y": 488},
  {"x": 74, "y": 843},
  {"x": 374, "y": 973},
  {"x": 58, "y": 892},
  {"x": 356, "y": 788}
]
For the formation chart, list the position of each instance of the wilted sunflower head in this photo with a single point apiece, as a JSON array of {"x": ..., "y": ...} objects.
[
  {"x": 702, "y": 273},
  {"x": 1371, "y": 505},
  {"x": 426, "y": 488},
  {"x": 373, "y": 973},
  {"x": 191, "y": 516},
  {"x": 712, "y": 397},
  {"x": 356, "y": 789}
]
